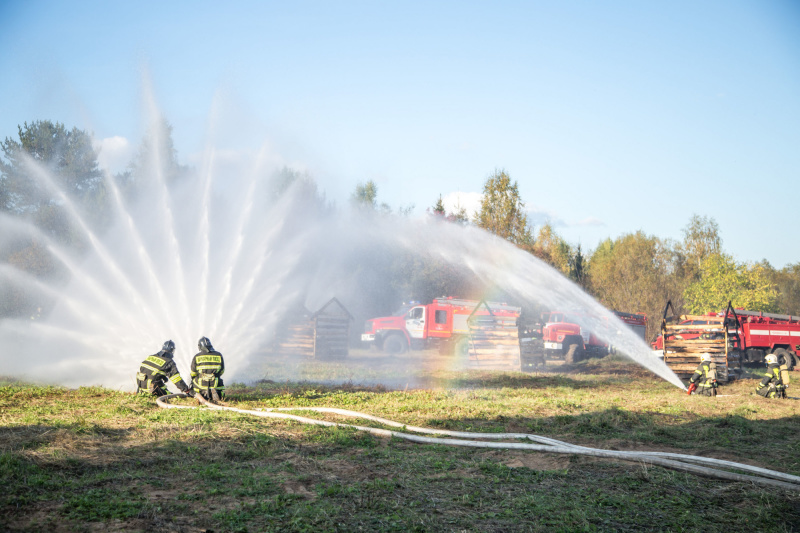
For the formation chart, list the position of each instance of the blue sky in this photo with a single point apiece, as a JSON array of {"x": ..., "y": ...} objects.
[{"x": 613, "y": 116}]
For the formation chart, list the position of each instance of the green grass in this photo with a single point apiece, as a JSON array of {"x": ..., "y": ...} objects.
[{"x": 94, "y": 459}]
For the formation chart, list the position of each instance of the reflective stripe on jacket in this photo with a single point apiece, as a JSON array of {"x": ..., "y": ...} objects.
[
  {"x": 156, "y": 369},
  {"x": 207, "y": 369},
  {"x": 701, "y": 374},
  {"x": 773, "y": 375}
]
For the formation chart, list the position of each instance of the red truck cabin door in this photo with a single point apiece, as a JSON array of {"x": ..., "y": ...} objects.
[
  {"x": 439, "y": 321},
  {"x": 415, "y": 322}
]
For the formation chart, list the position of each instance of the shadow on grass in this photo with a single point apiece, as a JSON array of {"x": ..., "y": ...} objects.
[
  {"x": 37, "y": 436},
  {"x": 245, "y": 478},
  {"x": 586, "y": 374},
  {"x": 775, "y": 442}
]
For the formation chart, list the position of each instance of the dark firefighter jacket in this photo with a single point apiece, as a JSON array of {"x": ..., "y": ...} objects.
[
  {"x": 207, "y": 369},
  {"x": 156, "y": 369},
  {"x": 771, "y": 381},
  {"x": 701, "y": 374}
]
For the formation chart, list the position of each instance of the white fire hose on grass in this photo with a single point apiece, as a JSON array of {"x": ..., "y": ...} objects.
[{"x": 702, "y": 466}]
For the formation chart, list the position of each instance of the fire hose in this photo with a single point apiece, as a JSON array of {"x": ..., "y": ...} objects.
[{"x": 702, "y": 466}]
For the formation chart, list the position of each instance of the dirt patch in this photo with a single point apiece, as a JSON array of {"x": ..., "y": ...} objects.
[
  {"x": 298, "y": 489},
  {"x": 538, "y": 461},
  {"x": 345, "y": 470},
  {"x": 532, "y": 460}
]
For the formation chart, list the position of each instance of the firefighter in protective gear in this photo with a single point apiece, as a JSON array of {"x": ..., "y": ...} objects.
[
  {"x": 156, "y": 370},
  {"x": 772, "y": 385},
  {"x": 207, "y": 369},
  {"x": 704, "y": 379}
]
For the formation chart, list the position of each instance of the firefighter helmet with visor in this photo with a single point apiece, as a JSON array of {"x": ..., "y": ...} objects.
[{"x": 204, "y": 344}]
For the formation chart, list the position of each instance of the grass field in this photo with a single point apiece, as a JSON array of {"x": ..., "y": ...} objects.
[{"x": 94, "y": 459}]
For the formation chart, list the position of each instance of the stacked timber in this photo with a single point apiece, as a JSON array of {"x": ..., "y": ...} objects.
[
  {"x": 296, "y": 335},
  {"x": 493, "y": 340},
  {"x": 321, "y": 335},
  {"x": 331, "y": 330},
  {"x": 688, "y": 337}
]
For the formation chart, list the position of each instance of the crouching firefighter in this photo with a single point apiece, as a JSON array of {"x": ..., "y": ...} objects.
[
  {"x": 156, "y": 370},
  {"x": 207, "y": 369},
  {"x": 704, "y": 379},
  {"x": 775, "y": 380}
]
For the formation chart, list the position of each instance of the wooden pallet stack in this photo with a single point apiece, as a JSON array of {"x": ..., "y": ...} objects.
[
  {"x": 297, "y": 338},
  {"x": 493, "y": 341},
  {"x": 331, "y": 330},
  {"x": 321, "y": 335},
  {"x": 687, "y": 337}
]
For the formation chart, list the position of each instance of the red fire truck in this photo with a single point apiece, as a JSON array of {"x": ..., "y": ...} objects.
[
  {"x": 441, "y": 323},
  {"x": 763, "y": 333},
  {"x": 565, "y": 338},
  {"x": 754, "y": 334}
]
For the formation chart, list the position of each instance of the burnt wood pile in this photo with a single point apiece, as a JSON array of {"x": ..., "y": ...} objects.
[{"x": 321, "y": 335}]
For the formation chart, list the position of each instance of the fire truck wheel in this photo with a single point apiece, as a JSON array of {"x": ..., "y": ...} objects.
[
  {"x": 461, "y": 348},
  {"x": 395, "y": 344},
  {"x": 573, "y": 355},
  {"x": 791, "y": 360},
  {"x": 784, "y": 357}
]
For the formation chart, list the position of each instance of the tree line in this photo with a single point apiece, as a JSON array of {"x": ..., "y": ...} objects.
[{"x": 634, "y": 272}]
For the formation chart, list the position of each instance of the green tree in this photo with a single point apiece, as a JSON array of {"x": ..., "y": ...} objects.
[
  {"x": 459, "y": 216},
  {"x": 67, "y": 155},
  {"x": 635, "y": 273},
  {"x": 701, "y": 240},
  {"x": 577, "y": 268},
  {"x": 156, "y": 156},
  {"x": 502, "y": 211},
  {"x": 302, "y": 182},
  {"x": 49, "y": 152},
  {"x": 723, "y": 279},
  {"x": 366, "y": 197},
  {"x": 551, "y": 248},
  {"x": 438, "y": 208},
  {"x": 787, "y": 281}
]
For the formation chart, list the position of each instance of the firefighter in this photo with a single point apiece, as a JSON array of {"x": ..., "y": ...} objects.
[
  {"x": 704, "y": 379},
  {"x": 156, "y": 369},
  {"x": 207, "y": 369},
  {"x": 772, "y": 385}
]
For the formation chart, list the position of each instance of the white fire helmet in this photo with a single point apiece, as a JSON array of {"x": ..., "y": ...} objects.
[
  {"x": 705, "y": 357},
  {"x": 771, "y": 359}
]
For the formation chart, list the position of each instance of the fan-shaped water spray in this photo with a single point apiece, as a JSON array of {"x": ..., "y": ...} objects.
[{"x": 223, "y": 252}]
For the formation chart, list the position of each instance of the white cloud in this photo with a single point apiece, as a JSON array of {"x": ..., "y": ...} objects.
[
  {"x": 114, "y": 153},
  {"x": 454, "y": 201},
  {"x": 590, "y": 221},
  {"x": 539, "y": 216}
]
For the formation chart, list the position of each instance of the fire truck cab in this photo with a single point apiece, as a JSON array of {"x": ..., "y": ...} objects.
[
  {"x": 442, "y": 323},
  {"x": 566, "y": 335},
  {"x": 564, "y": 338}
]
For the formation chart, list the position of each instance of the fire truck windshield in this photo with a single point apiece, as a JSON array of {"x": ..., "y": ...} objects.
[{"x": 402, "y": 311}]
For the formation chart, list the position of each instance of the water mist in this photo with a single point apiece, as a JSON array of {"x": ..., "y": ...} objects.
[{"x": 224, "y": 251}]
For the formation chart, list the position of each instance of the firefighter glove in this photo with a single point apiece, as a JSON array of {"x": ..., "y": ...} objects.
[{"x": 189, "y": 392}]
